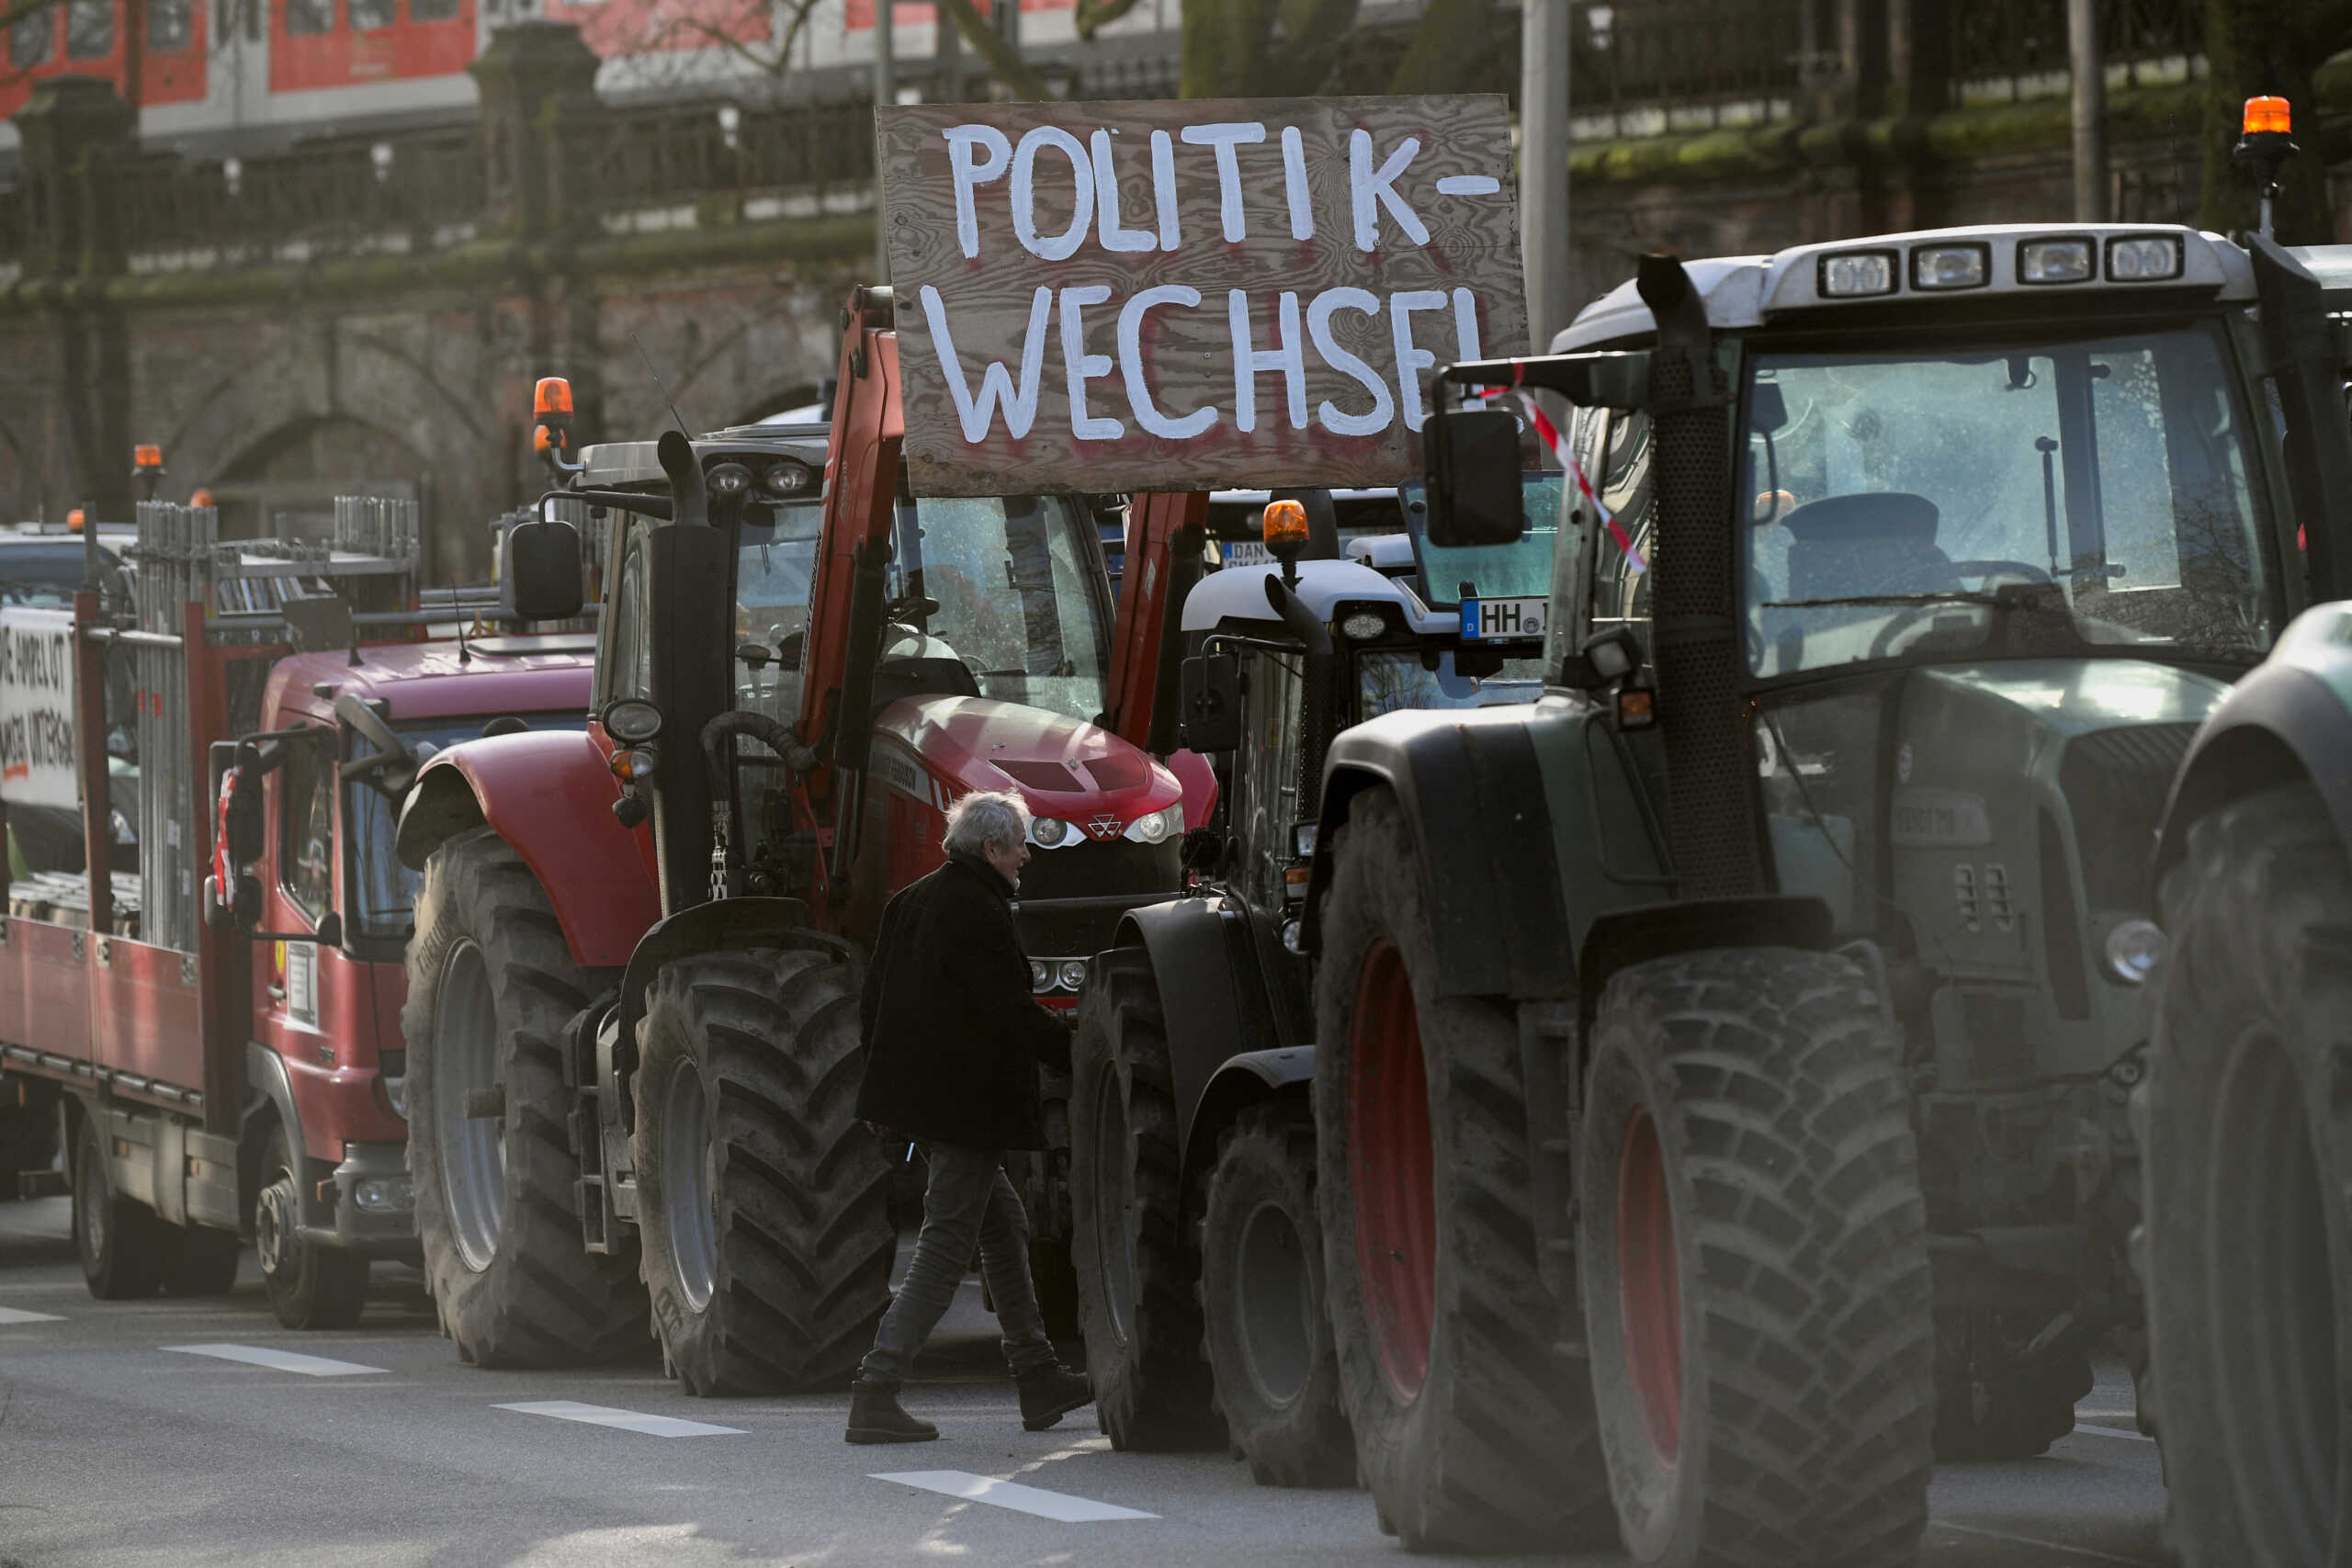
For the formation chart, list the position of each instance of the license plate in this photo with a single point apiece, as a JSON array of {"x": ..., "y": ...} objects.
[
  {"x": 1503, "y": 620},
  {"x": 1246, "y": 552}
]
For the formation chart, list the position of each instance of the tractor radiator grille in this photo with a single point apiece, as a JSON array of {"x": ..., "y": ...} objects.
[{"x": 2115, "y": 781}]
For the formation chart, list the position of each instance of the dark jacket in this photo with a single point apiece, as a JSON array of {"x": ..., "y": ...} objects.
[{"x": 952, "y": 1037}]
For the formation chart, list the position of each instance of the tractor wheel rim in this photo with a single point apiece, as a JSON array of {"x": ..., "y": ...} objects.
[
  {"x": 1276, "y": 1305},
  {"x": 2275, "y": 1304},
  {"x": 1393, "y": 1170},
  {"x": 1650, "y": 1286},
  {"x": 1114, "y": 1203},
  {"x": 473, "y": 1150},
  {"x": 686, "y": 1155}
]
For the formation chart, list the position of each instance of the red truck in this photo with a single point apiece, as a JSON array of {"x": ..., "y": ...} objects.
[{"x": 214, "y": 1039}]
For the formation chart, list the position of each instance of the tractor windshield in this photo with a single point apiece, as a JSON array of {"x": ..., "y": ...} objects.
[
  {"x": 2090, "y": 493},
  {"x": 1012, "y": 588},
  {"x": 1449, "y": 573}
]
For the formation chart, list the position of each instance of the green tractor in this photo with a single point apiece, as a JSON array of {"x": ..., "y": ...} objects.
[
  {"x": 2246, "y": 1117},
  {"x": 1723, "y": 1062}
]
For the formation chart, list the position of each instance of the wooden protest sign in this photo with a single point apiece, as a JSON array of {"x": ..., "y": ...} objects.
[{"x": 1195, "y": 294}]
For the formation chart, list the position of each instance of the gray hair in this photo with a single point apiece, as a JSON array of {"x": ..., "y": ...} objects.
[{"x": 982, "y": 821}]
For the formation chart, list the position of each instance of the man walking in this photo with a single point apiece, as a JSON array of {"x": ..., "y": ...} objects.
[{"x": 952, "y": 1040}]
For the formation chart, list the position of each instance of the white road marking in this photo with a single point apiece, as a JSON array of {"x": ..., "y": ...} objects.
[
  {"x": 626, "y": 1420},
  {"x": 1013, "y": 1494},
  {"x": 18, "y": 1315},
  {"x": 277, "y": 1360},
  {"x": 2084, "y": 1429},
  {"x": 2046, "y": 1545}
]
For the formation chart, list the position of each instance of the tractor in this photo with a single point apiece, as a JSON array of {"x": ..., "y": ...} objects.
[
  {"x": 632, "y": 1010},
  {"x": 1198, "y": 1249},
  {"x": 1722, "y": 1062},
  {"x": 2245, "y": 1115}
]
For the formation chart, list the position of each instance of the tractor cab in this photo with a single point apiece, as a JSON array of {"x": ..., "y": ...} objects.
[{"x": 985, "y": 663}]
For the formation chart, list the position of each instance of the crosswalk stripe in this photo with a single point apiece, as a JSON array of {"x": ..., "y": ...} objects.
[
  {"x": 626, "y": 1420},
  {"x": 18, "y": 1315},
  {"x": 277, "y": 1360},
  {"x": 1013, "y": 1494}
]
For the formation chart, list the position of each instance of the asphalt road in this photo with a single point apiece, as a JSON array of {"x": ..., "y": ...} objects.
[{"x": 122, "y": 1447}]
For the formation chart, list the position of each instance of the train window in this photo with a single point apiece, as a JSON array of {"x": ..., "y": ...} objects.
[
  {"x": 305, "y": 18},
  {"x": 369, "y": 16},
  {"x": 30, "y": 41},
  {"x": 89, "y": 29},
  {"x": 432, "y": 10},
  {"x": 169, "y": 30}
]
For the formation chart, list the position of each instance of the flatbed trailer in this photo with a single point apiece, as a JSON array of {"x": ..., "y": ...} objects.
[{"x": 229, "y": 1063}]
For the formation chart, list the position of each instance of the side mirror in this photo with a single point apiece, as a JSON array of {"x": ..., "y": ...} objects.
[
  {"x": 1210, "y": 687},
  {"x": 543, "y": 569},
  {"x": 241, "y": 821},
  {"x": 1475, "y": 492},
  {"x": 245, "y": 911},
  {"x": 330, "y": 929}
]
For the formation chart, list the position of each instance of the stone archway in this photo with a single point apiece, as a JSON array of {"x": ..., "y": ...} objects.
[{"x": 284, "y": 484}]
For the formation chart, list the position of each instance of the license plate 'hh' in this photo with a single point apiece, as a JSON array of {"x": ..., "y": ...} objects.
[{"x": 1503, "y": 620}]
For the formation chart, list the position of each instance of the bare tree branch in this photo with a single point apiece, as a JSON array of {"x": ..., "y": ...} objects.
[
  {"x": 1094, "y": 14},
  {"x": 1002, "y": 59}
]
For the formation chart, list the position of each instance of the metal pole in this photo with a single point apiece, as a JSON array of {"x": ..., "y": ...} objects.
[
  {"x": 2086, "y": 52},
  {"x": 1544, "y": 164},
  {"x": 885, "y": 93}
]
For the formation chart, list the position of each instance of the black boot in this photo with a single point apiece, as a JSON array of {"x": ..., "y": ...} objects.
[
  {"x": 1050, "y": 1392},
  {"x": 875, "y": 1417}
]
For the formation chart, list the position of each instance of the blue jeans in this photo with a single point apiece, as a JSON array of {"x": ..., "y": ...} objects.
[{"x": 970, "y": 1199}]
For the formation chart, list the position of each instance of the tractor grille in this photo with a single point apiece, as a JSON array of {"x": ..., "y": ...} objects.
[{"x": 2115, "y": 781}]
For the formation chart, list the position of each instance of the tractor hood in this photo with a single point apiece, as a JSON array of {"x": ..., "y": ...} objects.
[{"x": 1063, "y": 767}]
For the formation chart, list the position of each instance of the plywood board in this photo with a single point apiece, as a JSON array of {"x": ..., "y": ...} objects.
[{"x": 1192, "y": 295}]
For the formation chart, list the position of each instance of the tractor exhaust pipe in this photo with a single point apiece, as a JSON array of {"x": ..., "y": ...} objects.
[{"x": 1709, "y": 756}]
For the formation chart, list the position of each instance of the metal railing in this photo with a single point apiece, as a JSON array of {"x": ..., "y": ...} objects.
[
  {"x": 2004, "y": 49},
  {"x": 407, "y": 194}
]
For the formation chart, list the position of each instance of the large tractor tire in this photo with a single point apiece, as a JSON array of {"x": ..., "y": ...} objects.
[
  {"x": 1752, "y": 1244},
  {"x": 1276, "y": 1370},
  {"x": 122, "y": 1245},
  {"x": 1137, "y": 1271},
  {"x": 762, "y": 1202},
  {"x": 1474, "y": 1425},
  {"x": 308, "y": 1286},
  {"x": 2246, "y": 1128},
  {"x": 491, "y": 987},
  {"x": 1999, "y": 1396}
]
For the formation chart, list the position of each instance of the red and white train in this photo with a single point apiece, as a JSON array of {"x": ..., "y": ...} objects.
[{"x": 230, "y": 74}]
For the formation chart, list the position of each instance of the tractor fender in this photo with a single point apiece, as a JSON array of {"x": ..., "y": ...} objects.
[
  {"x": 729, "y": 925},
  {"x": 1472, "y": 789},
  {"x": 1623, "y": 938},
  {"x": 1211, "y": 995},
  {"x": 550, "y": 793},
  {"x": 1250, "y": 1079},
  {"x": 2290, "y": 719}
]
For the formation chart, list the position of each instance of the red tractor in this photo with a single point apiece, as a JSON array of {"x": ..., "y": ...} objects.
[{"x": 632, "y": 1006}]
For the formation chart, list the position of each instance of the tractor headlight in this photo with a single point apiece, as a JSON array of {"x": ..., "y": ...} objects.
[
  {"x": 632, "y": 721},
  {"x": 2054, "y": 260},
  {"x": 1952, "y": 267},
  {"x": 788, "y": 478},
  {"x": 380, "y": 1195},
  {"x": 2149, "y": 258},
  {"x": 1856, "y": 273},
  {"x": 1048, "y": 832},
  {"x": 1071, "y": 973},
  {"x": 1160, "y": 826},
  {"x": 1363, "y": 625},
  {"x": 2134, "y": 948},
  {"x": 1041, "y": 975},
  {"x": 729, "y": 479}
]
